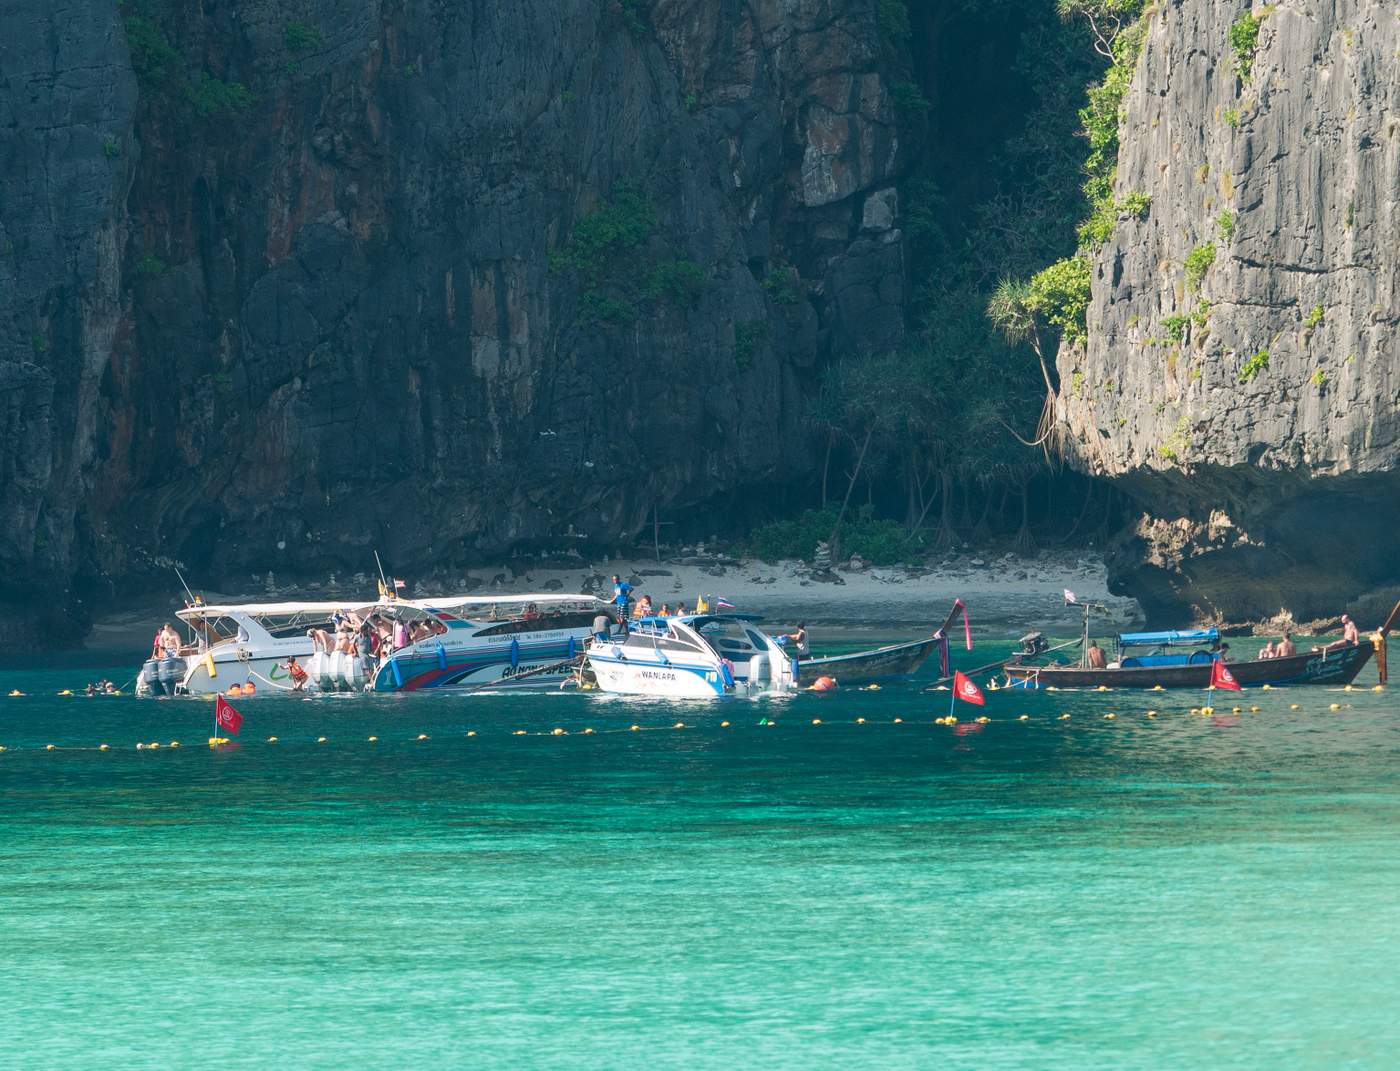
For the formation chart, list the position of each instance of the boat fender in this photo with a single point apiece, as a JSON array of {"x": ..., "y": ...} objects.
[
  {"x": 726, "y": 674},
  {"x": 823, "y": 684},
  {"x": 398, "y": 676},
  {"x": 209, "y": 665},
  {"x": 442, "y": 656},
  {"x": 573, "y": 648},
  {"x": 514, "y": 654}
]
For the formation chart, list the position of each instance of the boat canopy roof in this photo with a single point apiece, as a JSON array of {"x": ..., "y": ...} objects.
[
  {"x": 1173, "y": 638},
  {"x": 269, "y": 609},
  {"x": 698, "y": 620},
  {"x": 467, "y": 602}
]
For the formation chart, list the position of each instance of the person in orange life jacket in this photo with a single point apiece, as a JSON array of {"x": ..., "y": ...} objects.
[{"x": 297, "y": 673}]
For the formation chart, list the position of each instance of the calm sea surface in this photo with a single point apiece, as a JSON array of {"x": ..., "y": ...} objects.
[{"x": 1083, "y": 893}]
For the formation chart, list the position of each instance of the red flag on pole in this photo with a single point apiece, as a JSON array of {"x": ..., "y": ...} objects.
[
  {"x": 965, "y": 690},
  {"x": 225, "y": 717},
  {"x": 1220, "y": 677}
]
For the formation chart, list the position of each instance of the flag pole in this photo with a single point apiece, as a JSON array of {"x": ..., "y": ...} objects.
[{"x": 952, "y": 698}]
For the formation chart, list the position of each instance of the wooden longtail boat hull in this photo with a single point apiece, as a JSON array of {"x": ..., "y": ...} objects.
[
  {"x": 869, "y": 667},
  {"x": 1337, "y": 666}
]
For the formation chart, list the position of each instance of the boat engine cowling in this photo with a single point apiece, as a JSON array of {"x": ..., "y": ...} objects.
[
  {"x": 758, "y": 669},
  {"x": 1032, "y": 644}
]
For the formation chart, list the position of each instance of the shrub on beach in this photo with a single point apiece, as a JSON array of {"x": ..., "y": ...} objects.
[{"x": 880, "y": 542}]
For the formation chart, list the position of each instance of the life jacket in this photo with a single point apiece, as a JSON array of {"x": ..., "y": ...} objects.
[{"x": 296, "y": 672}]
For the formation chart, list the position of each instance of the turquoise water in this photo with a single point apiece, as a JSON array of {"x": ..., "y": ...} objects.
[{"x": 1082, "y": 893}]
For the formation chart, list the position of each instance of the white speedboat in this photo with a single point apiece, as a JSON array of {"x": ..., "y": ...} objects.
[
  {"x": 250, "y": 643},
  {"x": 505, "y": 641},
  {"x": 698, "y": 656}
]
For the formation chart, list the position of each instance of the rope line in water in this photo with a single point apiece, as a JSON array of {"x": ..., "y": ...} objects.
[{"x": 960, "y": 726}]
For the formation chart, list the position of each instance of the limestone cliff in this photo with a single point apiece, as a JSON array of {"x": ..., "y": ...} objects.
[
  {"x": 1241, "y": 378},
  {"x": 276, "y": 281}
]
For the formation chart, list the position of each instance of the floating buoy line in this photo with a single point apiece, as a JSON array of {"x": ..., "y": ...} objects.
[{"x": 959, "y": 725}]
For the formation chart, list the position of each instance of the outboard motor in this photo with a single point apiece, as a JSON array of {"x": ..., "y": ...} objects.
[
  {"x": 150, "y": 677},
  {"x": 169, "y": 674},
  {"x": 1032, "y": 644}
]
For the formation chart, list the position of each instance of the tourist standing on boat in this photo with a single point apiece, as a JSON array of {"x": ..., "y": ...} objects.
[
  {"x": 798, "y": 640},
  {"x": 1094, "y": 656},
  {"x": 1286, "y": 647},
  {"x": 643, "y": 607},
  {"x": 169, "y": 640},
  {"x": 622, "y": 595},
  {"x": 364, "y": 647}
]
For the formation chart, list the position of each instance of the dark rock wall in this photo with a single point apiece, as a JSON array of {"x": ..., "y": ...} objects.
[
  {"x": 275, "y": 338},
  {"x": 1274, "y": 487}
]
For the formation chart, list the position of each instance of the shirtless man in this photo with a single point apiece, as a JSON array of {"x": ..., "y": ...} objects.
[
  {"x": 1094, "y": 655},
  {"x": 1350, "y": 634},
  {"x": 170, "y": 640},
  {"x": 1285, "y": 646}
]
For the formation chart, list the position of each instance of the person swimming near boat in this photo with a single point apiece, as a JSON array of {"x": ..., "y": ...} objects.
[
  {"x": 1094, "y": 657},
  {"x": 798, "y": 639},
  {"x": 298, "y": 675}
]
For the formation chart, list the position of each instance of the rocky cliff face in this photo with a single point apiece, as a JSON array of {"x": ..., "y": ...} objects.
[
  {"x": 1242, "y": 375},
  {"x": 276, "y": 281}
]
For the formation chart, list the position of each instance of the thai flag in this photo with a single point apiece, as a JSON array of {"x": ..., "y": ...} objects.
[
  {"x": 723, "y": 604},
  {"x": 1071, "y": 599},
  {"x": 399, "y": 585}
]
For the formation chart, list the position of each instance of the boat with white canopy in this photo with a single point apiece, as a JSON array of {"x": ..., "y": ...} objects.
[
  {"x": 697, "y": 656},
  {"x": 501, "y": 641}
]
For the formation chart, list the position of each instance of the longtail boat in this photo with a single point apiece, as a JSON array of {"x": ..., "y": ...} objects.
[
  {"x": 882, "y": 664},
  {"x": 1159, "y": 665}
]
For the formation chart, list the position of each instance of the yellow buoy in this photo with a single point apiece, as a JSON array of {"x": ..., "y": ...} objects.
[
  {"x": 634, "y": 728},
  {"x": 1109, "y": 716},
  {"x": 724, "y": 725},
  {"x": 1268, "y": 687},
  {"x": 1334, "y": 706},
  {"x": 587, "y": 732},
  {"x": 873, "y": 688},
  {"x": 860, "y": 721},
  {"x": 1151, "y": 713},
  {"x": 1292, "y": 706},
  {"x": 1378, "y": 688},
  {"x": 320, "y": 740},
  {"x": 899, "y": 721},
  {"x": 272, "y": 739},
  {"x": 48, "y": 747},
  {"x": 521, "y": 732},
  {"x": 100, "y": 747},
  {"x": 214, "y": 741},
  {"x": 816, "y": 721},
  {"x": 679, "y": 725},
  {"x": 153, "y": 744},
  {"x": 983, "y": 720},
  {"x": 1207, "y": 710},
  {"x": 1236, "y": 710},
  {"x": 66, "y": 691},
  {"x": 1024, "y": 717},
  {"x": 471, "y": 732},
  {"x": 15, "y": 691},
  {"x": 1156, "y": 687},
  {"x": 1101, "y": 688},
  {"x": 1349, "y": 688},
  {"x": 422, "y": 736},
  {"x": 553, "y": 732},
  {"x": 174, "y": 743},
  {"x": 1254, "y": 710},
  {"x": 1051, "y": 688},
  {"x": 1064, "y": 717},
  {"x": 373, "y": 739}
]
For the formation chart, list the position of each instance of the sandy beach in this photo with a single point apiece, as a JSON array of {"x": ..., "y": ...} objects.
[{"x": 1006, "y": 595}]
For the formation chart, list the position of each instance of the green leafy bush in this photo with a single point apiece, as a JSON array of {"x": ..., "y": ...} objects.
[
  {"x": 150, "y": 266},
  {"x": 1315, "y": 317},
  {"x": 301, "y": 37},
  {"x": 1254, "y": 366},
  {"x": 892, "y": 16},
  {"x": 1136, "y": 204},
  {"x": 679, "y": 281},
  {"x": 211, "y": 96},
  {"x": 880, "y": 542},
  {"x": 909, "y": 101},
  {"x": 1319, "y": 377},
  {"x": 154, "y": 59},
  {"x": 782, "y": 286},
  {"x": 1244, "y": 40},
  {"x": 1225, "y": 224},
  {"x": 749, "y": 335},
  {"x": 1175, "y": 327},
  {"x": 1198, "y": 262},
  {"x": 1061, "y": 293}
]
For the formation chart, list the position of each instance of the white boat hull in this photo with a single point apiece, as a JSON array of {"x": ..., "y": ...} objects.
[{"x": 673, "y": 681}]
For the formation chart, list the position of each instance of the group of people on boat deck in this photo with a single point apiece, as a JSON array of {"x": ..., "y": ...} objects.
[
  {"x": 370, "y": 637},
  {"x": 1285, "y": 648},
  {"x": 167, "y": 643}
]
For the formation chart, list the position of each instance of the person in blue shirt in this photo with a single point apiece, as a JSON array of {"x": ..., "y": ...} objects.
[{"x": 622, "y": 595}]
